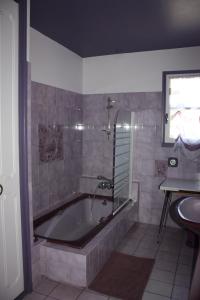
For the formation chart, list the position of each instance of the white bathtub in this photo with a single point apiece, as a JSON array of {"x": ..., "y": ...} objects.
[{"x": 77, "y": 223}]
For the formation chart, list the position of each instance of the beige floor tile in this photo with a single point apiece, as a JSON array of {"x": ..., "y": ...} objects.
[
  {"x": 165, "y": 266},
  {"x": 149, "y": 243},
  {"x": 184, "y": 270},
  {"x": 150, "y": 296},
  {"x": 182, "y": 280},
  {"x": 88, "y": 295},
  {"x": 34, "y": 296},
  {"x": 180, "y": 293},
  {"x": 169, "y": 248},
  {"x": 166, "y": 256},
  {"x": 66, "y": 292},
  {"x": 158, "y": 287},
  {"x": 46, "y": 286},
  {"x": 143, "y": 252},
  {"x": 164, "y": 276},
  {"x": 185, "y": 260}
]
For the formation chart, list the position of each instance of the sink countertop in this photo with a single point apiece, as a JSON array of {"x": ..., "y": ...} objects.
[{"x": 176, "y": 184}]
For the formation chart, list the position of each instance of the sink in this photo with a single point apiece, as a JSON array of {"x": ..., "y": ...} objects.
[
  {"x": 189, "y": 209},
  {"x": 186, "y": 213}
]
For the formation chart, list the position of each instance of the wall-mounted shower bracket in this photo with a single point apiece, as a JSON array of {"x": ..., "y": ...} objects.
[{"x": 109, "y": 106}]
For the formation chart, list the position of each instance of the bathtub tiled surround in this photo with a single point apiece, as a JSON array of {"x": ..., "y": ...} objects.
[
  {"x": 170, "y": 277},
  {"x": 80, "y": 266},
  {"x": 56, "y": 145}
]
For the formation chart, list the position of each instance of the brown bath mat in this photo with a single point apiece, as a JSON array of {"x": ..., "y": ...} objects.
[{"x": 123, "y": 276}]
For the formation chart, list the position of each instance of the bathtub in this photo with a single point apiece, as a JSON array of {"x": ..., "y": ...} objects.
[
  {"x": 77, "y": 222},
  {"x": 79, "y": 237}
]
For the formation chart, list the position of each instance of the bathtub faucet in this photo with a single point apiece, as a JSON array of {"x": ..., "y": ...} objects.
[
  {"x": 105, "y": 183},
  {"x": 100, "y": 177}
]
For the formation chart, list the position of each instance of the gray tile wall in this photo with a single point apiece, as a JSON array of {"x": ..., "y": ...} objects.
[
  {"x": 149, "y": 158},
  {"x": 53, "y": 181},
  {"x": 89, "y": 153}
]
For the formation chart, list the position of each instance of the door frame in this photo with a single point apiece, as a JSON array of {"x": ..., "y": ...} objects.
[{"x": 23, "y": 148}]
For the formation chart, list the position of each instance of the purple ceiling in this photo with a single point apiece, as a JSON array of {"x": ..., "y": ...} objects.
[{"x": 100, "y": 27}]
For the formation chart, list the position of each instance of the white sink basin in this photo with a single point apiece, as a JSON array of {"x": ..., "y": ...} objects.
[{"x": 189, "y": 209}]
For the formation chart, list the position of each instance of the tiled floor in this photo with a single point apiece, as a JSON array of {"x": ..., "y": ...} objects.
[{"x": 170, "y": 277}]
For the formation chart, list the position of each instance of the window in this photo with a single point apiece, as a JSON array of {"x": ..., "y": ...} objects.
[{"x": 181, "y": 94}]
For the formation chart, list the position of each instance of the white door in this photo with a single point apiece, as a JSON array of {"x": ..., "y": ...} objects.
[{"x": 11, "y": 268}]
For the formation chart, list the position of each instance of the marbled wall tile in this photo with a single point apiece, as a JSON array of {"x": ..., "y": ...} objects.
[
  {"x": 147, "y": 147},
  {"x": 43, "y": 198},
  {"x": 38, "y": 93},
  {"x": 43, "y": 174},
  {"x": 35, "y": 175},
  {"x": 83, "y": 150},
  {"x": 153, "y": 100},
  {"x": 55, "y": 173},
  {"x": 35, "y": 200},
  {"x": 161, "y": 167}
]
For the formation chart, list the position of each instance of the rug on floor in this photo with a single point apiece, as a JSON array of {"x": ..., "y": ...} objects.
[{"x": 123, "y": 276}]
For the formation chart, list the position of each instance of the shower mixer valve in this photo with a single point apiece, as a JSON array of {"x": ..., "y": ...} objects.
[{"x": 105, "y": 183}]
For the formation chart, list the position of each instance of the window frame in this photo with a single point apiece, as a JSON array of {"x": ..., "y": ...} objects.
[{"x": 166, "y": 141}]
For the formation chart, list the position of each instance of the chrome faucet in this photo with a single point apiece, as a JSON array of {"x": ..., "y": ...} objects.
[
  {"x": 100, "y": 177},
  {"x": 106, "y": 183}
]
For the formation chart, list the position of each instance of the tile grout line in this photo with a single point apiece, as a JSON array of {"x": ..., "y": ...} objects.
[
  {"x": 157, "y": 295},
  {"x": 52, "y": 291},
  {"x": 152, "y": 271},
  {"x": 145, "y": 231},
  {"x": 173, "y": 285},
  {"x": 80, "y": 293}
]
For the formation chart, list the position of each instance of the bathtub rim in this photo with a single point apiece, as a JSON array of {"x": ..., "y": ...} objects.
[{"x": 81, "y": 242}]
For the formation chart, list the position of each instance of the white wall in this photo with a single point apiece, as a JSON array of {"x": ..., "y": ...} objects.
[
  {"x": 135, "y": 72},
  {"x": 53, "y": 64}
]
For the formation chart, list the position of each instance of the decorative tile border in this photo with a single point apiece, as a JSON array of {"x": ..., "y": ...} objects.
[{"x": 50, "y": 142}]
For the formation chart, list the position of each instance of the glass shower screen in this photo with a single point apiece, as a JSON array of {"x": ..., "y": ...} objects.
[{"x": 122, "y": 158}]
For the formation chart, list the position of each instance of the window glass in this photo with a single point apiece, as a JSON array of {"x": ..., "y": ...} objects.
[{"x": 182, "y": 106}]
